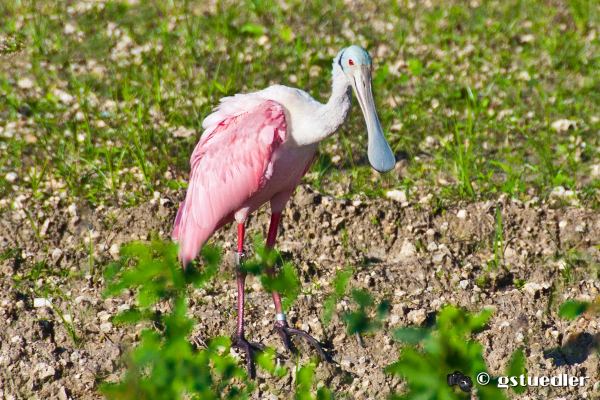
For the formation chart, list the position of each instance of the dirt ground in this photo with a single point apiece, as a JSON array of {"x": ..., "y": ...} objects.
[{"x": 419, "y": 257}]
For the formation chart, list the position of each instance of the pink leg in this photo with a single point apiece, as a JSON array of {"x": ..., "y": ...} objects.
[
  {"x": 241, "y": 279},
  {"x": 239, "y": 341},
  {"x": 281, "y": 325},
  {"x": 271, "y": 237}
]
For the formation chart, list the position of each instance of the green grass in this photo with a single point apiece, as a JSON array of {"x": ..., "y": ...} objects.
[
  {"x": 475, "y": 90},
  {"x": 101, "y": 103}
]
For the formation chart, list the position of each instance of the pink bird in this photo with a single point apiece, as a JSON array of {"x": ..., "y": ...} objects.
[{"x": 255, "y": 149}]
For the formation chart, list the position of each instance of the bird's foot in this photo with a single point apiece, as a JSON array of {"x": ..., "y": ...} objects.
[
  {"x": 285, "y": 332},
  {"x": 240, "y": 342}
]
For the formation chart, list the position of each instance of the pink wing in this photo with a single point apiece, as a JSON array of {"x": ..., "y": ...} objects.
[{"x": 229, "y": 165}]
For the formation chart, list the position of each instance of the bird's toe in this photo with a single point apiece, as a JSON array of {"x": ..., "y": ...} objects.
[{"x": 285, "y": 332}]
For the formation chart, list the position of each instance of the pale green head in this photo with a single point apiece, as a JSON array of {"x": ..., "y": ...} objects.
[{"x": 356, "y": 64}]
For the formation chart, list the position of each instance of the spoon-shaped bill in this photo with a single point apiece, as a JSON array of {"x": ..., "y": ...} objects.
[{"x": 380, "y": 154}]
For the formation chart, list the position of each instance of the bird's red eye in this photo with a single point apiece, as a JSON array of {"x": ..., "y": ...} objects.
[{"x": 350, "y": 62}]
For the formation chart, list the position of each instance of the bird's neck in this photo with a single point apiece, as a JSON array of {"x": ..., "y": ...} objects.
[{"x": 333, "y": 114}]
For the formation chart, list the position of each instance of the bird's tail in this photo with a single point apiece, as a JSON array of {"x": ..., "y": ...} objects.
[{"x": 190, "y": 236}]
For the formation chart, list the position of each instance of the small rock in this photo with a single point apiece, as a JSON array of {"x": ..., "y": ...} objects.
[
  {"x": 524, "y": 76},
  {"x": 106, "y": 327},
  {"x": 11, "y": 177},
  {"x": 316, "y": 327},
  {"x": 63, "y": 96},
  {"x": 563, "y": 125},
  {"x": 396, "y": 195},
  {"x": 462, "y": 285},
  {"x": 336, "y": 222},
  {"x": 25, "y": 83},
  {"x": 62, "y": 394},
  {"x": 56, "y": 254},
  {"x": 418, "y": 317},
  {"x": 520, "y": 337},
  {"x": 562, "y": 224},
  {"x": 432, "y": 247},
  {"x": 438, "y": 258},
  {"x": 426, "y": 199},
  {"x": 408, "y": 249},
  {"x": 114, "y": 250},
  {"x": 46, "y": 371},
  {"x": 430, "y": 141},
  {"x": 527, "y": 38},
  {"x": 339, "y": 338},
  {"x": 510, "y": 253},
  {"x": 104, "y": 316},
  {"x": 531, "y": 288},
  {"x": 462, "y": 214},
  {"x": 123, "y": 307},
  {"x": 41, "y": 302}
]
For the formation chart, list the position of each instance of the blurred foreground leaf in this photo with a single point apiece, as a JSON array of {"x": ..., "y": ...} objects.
[
  {"x": 446, "y": 348},
  {"x": 165, "y": 365}
]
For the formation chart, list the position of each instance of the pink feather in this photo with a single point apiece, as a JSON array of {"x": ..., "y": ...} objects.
[{"x": 230, "y": 164}]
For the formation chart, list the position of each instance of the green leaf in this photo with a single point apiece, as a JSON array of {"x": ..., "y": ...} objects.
[
  {"x": 362, "y": 297},
  {"x": 252, "y": 29},
  {"x": 286, "y": 34},
  {"x": 383, "y": 309},
  {"x": 268, "y": 361},
  {"x": 573, "y": 309},
  {"x": 341, "y": 281},
  {"x": 415, "y": 67},
  {"x": 328, "y": 309},
  {"x": 517, "y": 367},
  {"x": 410, "y": 335},
  {"x": 132, "y": 316},
  {"x": 219, "y": 87}
]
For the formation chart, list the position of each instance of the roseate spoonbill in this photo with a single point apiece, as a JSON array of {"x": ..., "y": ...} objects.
[{"x": 255, "y": 149}]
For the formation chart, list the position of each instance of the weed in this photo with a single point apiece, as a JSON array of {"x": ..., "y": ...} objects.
[
  {"x": 570, "y": 310},
  {"x": 444, "y": 349},
  {"x": 304, "y": 383},
  {"x": 340, "y": 284},
  {"x": 360, "y": 321},
  {"x": 286, "y": 281},
  {"x": 165, "y": 364}
]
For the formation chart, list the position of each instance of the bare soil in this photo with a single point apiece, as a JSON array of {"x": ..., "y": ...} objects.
[{"x": 418, "y": 256}]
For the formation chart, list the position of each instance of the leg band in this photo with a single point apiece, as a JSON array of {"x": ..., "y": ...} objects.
[
  {"x": 239, "y": 257},
  {"x": 280, "y": 317}
]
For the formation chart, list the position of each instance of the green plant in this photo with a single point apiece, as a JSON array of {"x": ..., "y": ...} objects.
[
  {"x": 570, "y": 310},
  {"x": 366, "y": 316},
  {"x": 305, "y": 378},
  {"x": 10, "y": 46},
  {"x": 165, "y": 365},
  {"x": 517, "y": 367},
  {"x": 431, "y": 354},
  {"x": 359, "y": 321},
  {"x": 286, "y": 281},
  {"x": 581, "y": 11},
  {"x": 340, "y": 284}
]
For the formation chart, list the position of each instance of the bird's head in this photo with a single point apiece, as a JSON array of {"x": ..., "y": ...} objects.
[{"x": 356, "y": 65}]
